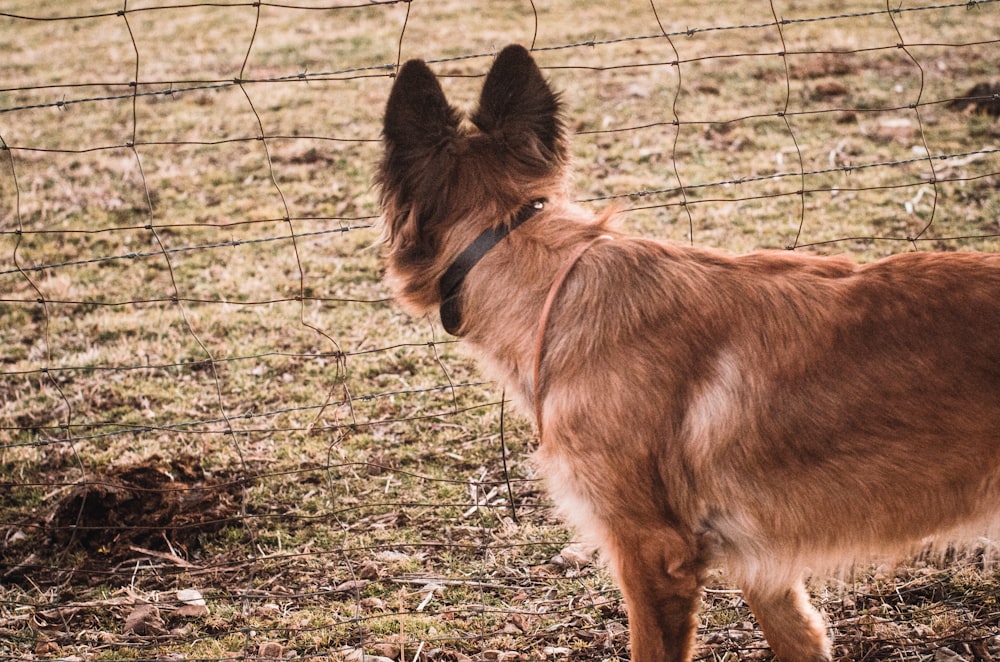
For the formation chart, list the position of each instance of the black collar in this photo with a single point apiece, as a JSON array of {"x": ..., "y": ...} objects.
[{"x": 451, "y": 283}]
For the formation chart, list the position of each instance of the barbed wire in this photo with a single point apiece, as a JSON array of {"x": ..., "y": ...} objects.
[
  {"x": 226, "y": 421},
  {"x": 645, "y": 193},
  {"x": 389, "y": 68},
  {"x": 178, "y": 249}
]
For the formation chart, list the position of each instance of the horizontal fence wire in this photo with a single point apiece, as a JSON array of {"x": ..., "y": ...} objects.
[{"x": 221, "y": 439}]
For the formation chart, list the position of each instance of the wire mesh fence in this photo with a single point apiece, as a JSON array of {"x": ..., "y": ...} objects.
[{"x": 220, "y": 438}]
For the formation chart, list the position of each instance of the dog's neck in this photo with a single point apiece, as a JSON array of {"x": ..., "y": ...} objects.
[{"x": 451, "y": 283}]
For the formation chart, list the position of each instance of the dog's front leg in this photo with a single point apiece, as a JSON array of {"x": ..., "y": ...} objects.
[
  {"x": 661, "y": 578},
  {"x": 793, "y": 628}
]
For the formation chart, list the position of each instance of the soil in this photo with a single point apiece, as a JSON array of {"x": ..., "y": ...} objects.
[
  {"x": 157, "y": 508},
  {"x": 982, "y": 98}
]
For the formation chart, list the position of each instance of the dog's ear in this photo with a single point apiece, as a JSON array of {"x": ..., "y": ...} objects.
[
  {"x": 419, "y": 125},
  {"x": 417, "y": 116},
  {"x": 519, "y": 109}
]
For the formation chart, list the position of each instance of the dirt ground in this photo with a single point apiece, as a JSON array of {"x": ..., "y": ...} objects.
[{"x": 155, "y": 507}]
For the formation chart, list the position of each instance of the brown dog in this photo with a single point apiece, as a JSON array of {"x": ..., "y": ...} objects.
[{"x": 775, "y": 413}]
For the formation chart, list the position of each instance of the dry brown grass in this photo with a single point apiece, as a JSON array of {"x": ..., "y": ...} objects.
[{"x": 352, "y": 457}]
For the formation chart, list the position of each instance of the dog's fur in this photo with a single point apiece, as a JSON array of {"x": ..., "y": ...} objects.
[{"x": 774, "y": 413}]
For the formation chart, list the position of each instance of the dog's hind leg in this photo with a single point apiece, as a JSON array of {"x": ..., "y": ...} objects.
[
  {"x": 661, "y": 578},
  {"x": 793, "y": 628}
]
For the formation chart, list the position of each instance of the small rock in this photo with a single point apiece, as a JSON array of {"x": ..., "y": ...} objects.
[{"x": 190, "y": 596}]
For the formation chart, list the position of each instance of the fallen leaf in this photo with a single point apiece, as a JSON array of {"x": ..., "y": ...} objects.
[
  {"x": 351, "y": 585},
  {"x": 388, "y": 650},
  {"x": 270, "y": 649},
  {"x": 145, "y": 621},
  {"x": 577, "y": 554}
]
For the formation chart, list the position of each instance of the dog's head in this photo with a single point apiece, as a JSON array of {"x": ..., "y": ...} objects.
[{"x": 445, "y": 177}]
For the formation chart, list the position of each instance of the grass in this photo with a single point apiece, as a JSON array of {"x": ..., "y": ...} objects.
[{"x": 191, "y": 398}]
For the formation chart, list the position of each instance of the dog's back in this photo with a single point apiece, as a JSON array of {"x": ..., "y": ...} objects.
[
  {"x": 817, "y": 408},
  {"x": 774, "y": 412}
]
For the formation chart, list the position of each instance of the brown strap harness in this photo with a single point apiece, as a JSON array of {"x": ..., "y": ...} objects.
[{"x": 544, "y": 320}]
